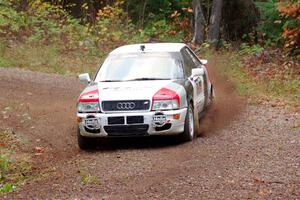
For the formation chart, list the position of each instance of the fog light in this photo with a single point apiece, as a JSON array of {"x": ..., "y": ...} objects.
[
  {"x": 176, "y": 116},
  {"x": 79, "y": 119}
]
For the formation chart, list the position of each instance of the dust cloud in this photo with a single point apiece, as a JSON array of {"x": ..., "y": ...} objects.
[{"x": 227, "y": 105}]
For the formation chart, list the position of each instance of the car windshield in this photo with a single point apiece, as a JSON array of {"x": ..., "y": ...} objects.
[{"x": 140, "y": 66}]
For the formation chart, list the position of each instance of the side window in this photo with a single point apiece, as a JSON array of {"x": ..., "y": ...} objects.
[
  {"x": 194, "y": 58},
  {"x": 180, "y": 73},
  {"x": 188, "y": 63}
]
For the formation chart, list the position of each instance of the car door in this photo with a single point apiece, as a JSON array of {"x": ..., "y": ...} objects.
[
  {"x": 204, "y": 84},
  {"x": 196, "y": 82}
]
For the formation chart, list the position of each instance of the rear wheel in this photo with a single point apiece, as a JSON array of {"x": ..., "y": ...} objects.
[
  {"x": 189, "y": 126},
  {"x": 83, "y": 142},
  {"x": 211, "y": 97}
]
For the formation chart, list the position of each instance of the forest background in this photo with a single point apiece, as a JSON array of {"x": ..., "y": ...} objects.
[{"x": 257, "y": 40}]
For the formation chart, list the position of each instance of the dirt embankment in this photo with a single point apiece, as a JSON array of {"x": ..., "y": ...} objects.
[{"x": 247, "y": 152}]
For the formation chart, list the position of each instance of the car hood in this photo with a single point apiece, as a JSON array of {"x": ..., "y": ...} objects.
[{"x": 129, "y": 90}]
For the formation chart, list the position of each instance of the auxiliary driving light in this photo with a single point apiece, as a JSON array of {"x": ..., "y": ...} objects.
[
  {"x": 79, "y": 119},
  {"x": 176, "y": 116}
]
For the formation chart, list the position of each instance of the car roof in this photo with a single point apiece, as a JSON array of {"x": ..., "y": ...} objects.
[{"x": 149, "y": 47}]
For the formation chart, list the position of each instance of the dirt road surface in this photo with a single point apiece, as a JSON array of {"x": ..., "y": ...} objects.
[{"x": 246, "y": 152}]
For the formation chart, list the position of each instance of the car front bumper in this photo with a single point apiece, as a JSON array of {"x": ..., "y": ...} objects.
[{"x": 174, "y": 123}]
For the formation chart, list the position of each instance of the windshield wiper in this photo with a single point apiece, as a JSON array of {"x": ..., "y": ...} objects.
[
  {"x": 136, "y": 79},
  {"x": 111, "y": 81},
  {"x": 148, "y": 79}
]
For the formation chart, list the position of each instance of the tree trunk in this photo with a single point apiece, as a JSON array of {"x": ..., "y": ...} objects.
[
  {"x": 242, "y": 21},
  {"x": 142, "y": 14},
  {"x": 92, "y": 12},
  {"x": 199, "y": 22},
  {"x": 215, "y": 22}
]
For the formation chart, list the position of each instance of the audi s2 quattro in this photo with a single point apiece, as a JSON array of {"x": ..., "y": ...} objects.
[{"x": 145, "y": 90}]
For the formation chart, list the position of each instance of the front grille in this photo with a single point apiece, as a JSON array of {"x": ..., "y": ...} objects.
[
  {"x": 127, "y": 130},
  {"x": 125, "y": 105}
]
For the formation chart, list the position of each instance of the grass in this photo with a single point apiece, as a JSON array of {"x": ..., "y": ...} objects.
[
  {"x": 86, "y": 178},
  {"x": 62, "y": 58},
  {"x": 12, "y": 170},
  {"x": 49, "y": 58},
  {"x": 230, "y": 65},
  {"x": 14, "y": 165}
]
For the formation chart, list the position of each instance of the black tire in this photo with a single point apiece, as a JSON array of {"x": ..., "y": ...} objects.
[
  {"x": 188, "y": 133},
  {"x": 84, "y": 142},
  {"x": 212, "y": 94},
  {"x": 211, "y": 97}
]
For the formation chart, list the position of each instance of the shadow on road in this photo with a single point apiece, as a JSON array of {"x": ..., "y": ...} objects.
[{"x": 151, "y": 142}]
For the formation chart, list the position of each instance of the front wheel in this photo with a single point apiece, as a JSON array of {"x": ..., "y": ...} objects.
[
  {"x": 211, "y": 96},
  {"x": 189, "y": 126}
]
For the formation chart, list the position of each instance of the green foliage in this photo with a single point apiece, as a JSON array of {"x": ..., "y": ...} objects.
[
  {"x": 246, "y": 49},
  {"x": 50, "y": 59},
  {"x": 13, "y": 166},
  {"x": 229, "y": 64},
  {"x": 45, "y": 23},
  {"x": 51, "y": 40},
  {"x": 112, "y": 25},
  {"x": 87, "y": 178},
  {"x": 243, "y": 84},
  {"x": 7, "y": 187},
  {"x": 11, "y": 172},
  {"x": 225, "y": 45},
  {"x": 2, "y": 47},
  {"x": 271, "y": 23},
  {"x": 3, "y": 165},
  {"x": 5, "y": 62},
  {"x": 11, "y": 21},
  {"x": 285, "y": 88},
  {"x": 162, "y": 31},
  {"x": 155, "y": 10}
]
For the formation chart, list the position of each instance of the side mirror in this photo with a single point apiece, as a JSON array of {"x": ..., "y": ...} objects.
[
  {"x": 84, "y": 77},
  {"x": 197, "y": 72},
  {"x": 203, "y": 61}
]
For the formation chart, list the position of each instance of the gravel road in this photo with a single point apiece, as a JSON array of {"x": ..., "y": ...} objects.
[{"x": 246, "y": 152}]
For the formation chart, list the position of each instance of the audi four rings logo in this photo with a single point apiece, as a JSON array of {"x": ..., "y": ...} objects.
[{"x": 126, "y": 106}]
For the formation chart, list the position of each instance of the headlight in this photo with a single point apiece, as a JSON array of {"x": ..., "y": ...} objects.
[
  {"x": 88, "y": 107},
  {"x": 165, "y": 105}
]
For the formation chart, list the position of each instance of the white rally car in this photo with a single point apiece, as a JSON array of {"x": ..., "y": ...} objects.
[{"x": 144, "y": 90}]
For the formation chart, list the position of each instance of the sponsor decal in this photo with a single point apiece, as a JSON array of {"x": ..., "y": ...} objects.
[
  {"x": 159, "y": 120},
  {"x": 92, "y": 123}
]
